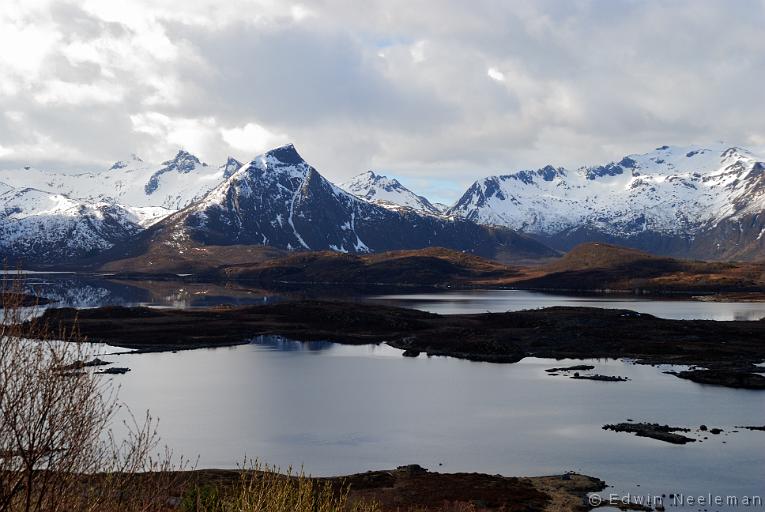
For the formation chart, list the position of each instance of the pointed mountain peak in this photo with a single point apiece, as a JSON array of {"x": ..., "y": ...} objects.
[
  {"x": 184, "y": 161},
  {"x": 286, "y": 154},
  {"x": 385, "y": 191},
  {"x": 372, "y": 178},
  {"x": 230, "y": 167},
  {"x": 734, "y": 152}
]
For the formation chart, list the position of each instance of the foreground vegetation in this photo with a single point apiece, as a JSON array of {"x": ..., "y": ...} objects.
[{"x": 261, "y": 488}]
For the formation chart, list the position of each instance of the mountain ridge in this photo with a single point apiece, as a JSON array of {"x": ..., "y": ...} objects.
[
  {"x": 687, "y": 202},
  {"x": 678, "y": 201},
  {"x": 279, "y": 200}
]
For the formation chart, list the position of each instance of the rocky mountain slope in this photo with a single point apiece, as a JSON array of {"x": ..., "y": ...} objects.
[{"x": 705, "y": 202}]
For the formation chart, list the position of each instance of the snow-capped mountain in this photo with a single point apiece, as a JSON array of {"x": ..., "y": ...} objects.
[
  {"x": 48, "y": 216},
  {"x": 703, "y": 202},
  {"x": 279, "y": 200},
  {"x": 150, "y": 190},
  {"x": 387, "y": 192},
  {"x": 40, "y": 226},
  {"x": 230, "y": 167},
  {"x": 706, "y": 202}
]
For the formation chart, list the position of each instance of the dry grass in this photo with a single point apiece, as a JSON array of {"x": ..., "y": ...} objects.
[{"x": 262, "y": 488}]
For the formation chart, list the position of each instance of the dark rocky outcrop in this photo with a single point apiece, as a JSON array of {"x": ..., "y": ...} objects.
[{"x": 654, "y": 431}]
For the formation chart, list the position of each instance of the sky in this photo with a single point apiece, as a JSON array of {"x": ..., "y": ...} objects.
[{"x": 434, "y": 92}]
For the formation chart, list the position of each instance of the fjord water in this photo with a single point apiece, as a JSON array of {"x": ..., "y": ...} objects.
[
  {"x": 336, "y": 409},
  {"x": 497, "y": 301},
  {"x": 93, "y": 291}
]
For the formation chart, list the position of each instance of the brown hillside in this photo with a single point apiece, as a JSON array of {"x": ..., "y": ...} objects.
[
  {"x": 598, "y": 267},
  {"x": 425, "y": 267},
  {"x": 599, "y": 255}
]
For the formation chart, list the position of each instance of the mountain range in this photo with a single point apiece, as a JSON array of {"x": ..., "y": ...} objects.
[
  {"x": 697, "y": 202},
  {"x": 182, "y": 206},
  {"x": 700, "y": 202},
  {"x": 690, "y": 202}
]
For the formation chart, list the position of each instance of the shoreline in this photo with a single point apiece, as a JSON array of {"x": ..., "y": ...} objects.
[
  {"x": 411, "y": 487},
  {"x": 723, "y": 352}
]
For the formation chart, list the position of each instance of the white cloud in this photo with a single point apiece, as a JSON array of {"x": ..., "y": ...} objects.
[
  {"x": 25, "y": 46},
  {"x": 417, "y": 51},
  {"x": 462, "y": 89},
  {"x": 197, "y": 135},
  {"x": 300, "y": 12},
  {"x": 495, "y": 74},
  {"x": 67, "y": 93},
  {"x": 252, "y": 138}
]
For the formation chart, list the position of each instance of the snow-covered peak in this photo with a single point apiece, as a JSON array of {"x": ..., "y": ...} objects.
[
  {"x": 285, "y": 155},
  {"x": 131, "y": 161},
  {"x": 230, "y": 167},
  {"x": 37, "y": 225},
  {"x": 677, "y": 160},
  {"x": 387, "y": 192},
  {"x": 184, "y": 162},
  {"x": 671, "y": 189},
  {"x": 284, "y": 160},
  {"x": 132, "y": 182}
]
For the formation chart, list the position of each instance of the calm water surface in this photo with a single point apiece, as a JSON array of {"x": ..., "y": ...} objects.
[
  {"x": 337, "y": 409},
  {"x": 94, "y": 291},
  {"x": 482, "y": 301}
]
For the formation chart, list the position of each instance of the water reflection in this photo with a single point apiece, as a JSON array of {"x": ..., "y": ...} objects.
[
  {"x": 282, "y": 344},
  {"x": 339, "y": 409},
  {"x": 85, "y": 291},
  {"x": 497, "y": 301}
]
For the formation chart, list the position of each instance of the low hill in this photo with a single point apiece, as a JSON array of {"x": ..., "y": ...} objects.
[
  {"x": 433, "y": 266},
  {"x": 601, "y": 267},
  {"x": 598, "y": 255}
]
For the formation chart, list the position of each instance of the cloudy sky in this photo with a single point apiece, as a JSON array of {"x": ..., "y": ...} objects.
[{"x": 435, "y": 92}]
